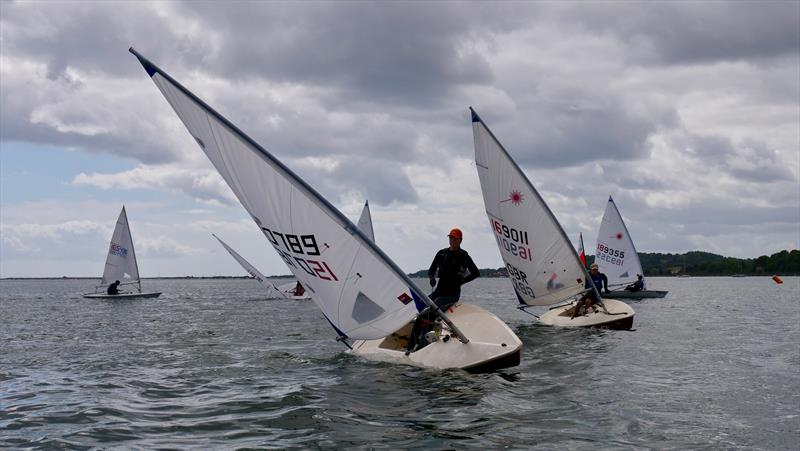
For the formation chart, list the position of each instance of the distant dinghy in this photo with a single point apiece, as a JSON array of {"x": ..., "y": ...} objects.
[
  {"x": 361, "y": 292},
  {"x": 541, "y": 262},
  {"x": 121, "y": 265},
  {"x": 287, "y": 291},
  {"x": 616, "y": 257}
]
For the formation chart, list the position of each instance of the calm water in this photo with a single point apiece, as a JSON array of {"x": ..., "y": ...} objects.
[{"x": 212, "y": 365}]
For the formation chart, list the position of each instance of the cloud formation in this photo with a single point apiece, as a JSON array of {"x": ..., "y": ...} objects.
[{"x": 687, "y": 112}]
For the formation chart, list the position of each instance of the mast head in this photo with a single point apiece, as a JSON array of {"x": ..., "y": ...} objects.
[
  {"x": 149, "y": 67},
  {"x": 475, "y": 117}
]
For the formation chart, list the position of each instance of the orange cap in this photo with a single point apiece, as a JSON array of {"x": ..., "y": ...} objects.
[{"x": 456, "y": 233}]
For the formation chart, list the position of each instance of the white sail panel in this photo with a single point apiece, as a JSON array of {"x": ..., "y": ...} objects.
[
  {"x": 271, "y": 289},
  {"x": 615, "y": 255},
  {"x": 541, "y": 262},
  {"x": 361, "y": 292},
  {"x": 121, "y": 259},
  {"x": 365, "y": 222}
]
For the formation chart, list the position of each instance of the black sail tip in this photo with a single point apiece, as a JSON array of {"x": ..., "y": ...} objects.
[
  {"x": 475, "y": 117},
  {"x": 148, "y": 66}
]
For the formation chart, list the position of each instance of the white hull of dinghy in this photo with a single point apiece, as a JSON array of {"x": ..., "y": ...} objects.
[
  {"x": 492, "y": 344},
  {"x": 288, "y": 290},
  {"x": 122, "y": 295},
  {"x": 621, "y": 316},
  {"x": 642, "y": 294}
]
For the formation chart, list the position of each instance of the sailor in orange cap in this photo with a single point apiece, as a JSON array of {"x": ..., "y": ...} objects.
[{"x": 455, "y": 268}]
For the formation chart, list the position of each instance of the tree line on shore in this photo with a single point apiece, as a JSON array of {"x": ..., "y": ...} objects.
[{"x": 695, "y": 263}]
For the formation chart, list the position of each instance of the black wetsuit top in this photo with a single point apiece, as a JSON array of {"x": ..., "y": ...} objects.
[
  {"x": 455, "y": 269},
  {"x": 600, "y": 281}
]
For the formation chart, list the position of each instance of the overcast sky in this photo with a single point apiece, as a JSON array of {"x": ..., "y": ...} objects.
[{"x": 687, "y": 113}]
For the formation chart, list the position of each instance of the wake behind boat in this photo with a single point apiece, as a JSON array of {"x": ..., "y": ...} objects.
[
  {"x": 617, "y": 258},
  {"x": 121, "y": 266},
  {"x": 361, "y": 292},
  {"x": 541, "y": 262}
]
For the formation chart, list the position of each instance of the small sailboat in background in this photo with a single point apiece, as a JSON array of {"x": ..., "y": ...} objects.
[
  {"x": 121, "y": 266},
  {"x": 541, "y": 262},
  {"x": 617, "y": 258},
  {"x": 286, "y": 291},
  {"x": 361, "y": 292},
  {"x": 292, "y": 290}
]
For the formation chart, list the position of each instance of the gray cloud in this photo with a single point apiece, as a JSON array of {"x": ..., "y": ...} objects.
[
  {"x": 695, "y": 32},
  {"x": 388, "y": 52},
  {"x": 750, "y": 160},
  {"x": 381, "y": 182}
]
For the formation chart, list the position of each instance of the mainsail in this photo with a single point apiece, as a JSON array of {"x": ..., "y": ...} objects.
[
  {"x": 365, "y": 222},
  {"x": 272, "y": 290},
  {"x": 540, "y": 260},
  {"x": 615, "y": 255},
  {"x": 121, "y": 259},
  {"x": 361, "y": 292}
]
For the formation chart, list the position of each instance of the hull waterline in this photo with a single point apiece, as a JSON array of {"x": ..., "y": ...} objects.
[
  {"x": 492, "y": 344},
  {"x": 643, "y": 294},
  {"x": 122, "y": 295},
  {"x": 620, "y": 316}
]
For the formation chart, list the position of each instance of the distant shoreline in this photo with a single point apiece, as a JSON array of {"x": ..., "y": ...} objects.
[{"x": 691, "y": 264}]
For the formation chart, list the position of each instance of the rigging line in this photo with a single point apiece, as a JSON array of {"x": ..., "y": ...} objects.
[
  {"x": 344, "y": 340},
  {"x": 523, "y": 307}
]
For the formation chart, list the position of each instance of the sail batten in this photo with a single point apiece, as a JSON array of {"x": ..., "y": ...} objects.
[
  {"x": 323, "y": 249},
  {"x": 541, "y": 262}
]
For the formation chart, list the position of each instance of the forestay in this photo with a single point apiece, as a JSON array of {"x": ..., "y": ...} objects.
[
  {"x": 121, "y": 260},
  {"x": 541, "y": 261},
  {"x": 358, "y": 288},
  {"x": 272, "y": 290},
  {"x": 615, "y": 255},
  {"x": 365, "y": 222}
]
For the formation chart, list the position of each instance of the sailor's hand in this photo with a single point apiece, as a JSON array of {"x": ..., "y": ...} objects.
[{"x": 433, "y": 282}]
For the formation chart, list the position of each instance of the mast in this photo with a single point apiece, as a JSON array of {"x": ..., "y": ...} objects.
[{"x": 133, "y": 251}]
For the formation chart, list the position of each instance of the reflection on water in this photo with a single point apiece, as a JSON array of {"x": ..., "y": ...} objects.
[{"x": 211, "y": 364}]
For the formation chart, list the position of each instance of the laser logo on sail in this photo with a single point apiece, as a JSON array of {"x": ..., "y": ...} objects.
[{"x": 515, "y": 197}]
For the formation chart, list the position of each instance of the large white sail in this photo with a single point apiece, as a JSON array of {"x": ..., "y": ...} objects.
[
  {"x": 361, "y": 292},
  {"x": 615, "y": 255},
  {"x": 541, "y": 261},
  {"x": 271, "y": 289},
  {"x": 121, "y": 259},
  {"x": 365, "y": 222}
]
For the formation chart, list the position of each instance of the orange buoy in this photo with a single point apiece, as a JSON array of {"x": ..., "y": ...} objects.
[{"x": 777, "y": 279}]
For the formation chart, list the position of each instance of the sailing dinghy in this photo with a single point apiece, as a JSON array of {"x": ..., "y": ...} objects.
[
  {"x": 361, "y": 292},
  {"x": 616, "y": 257},
  {"x": 121, "y": 265},
  {"x": 286, "y": 291},
  {"x": 541, "y": 262}
]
